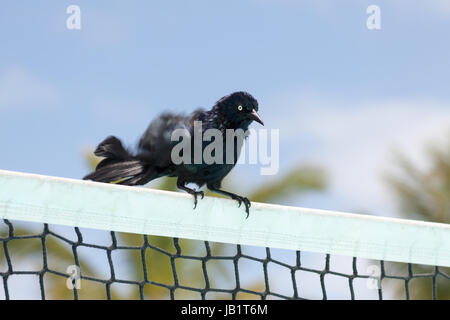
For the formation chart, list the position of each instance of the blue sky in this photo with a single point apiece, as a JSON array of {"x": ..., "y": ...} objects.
[{"x": 342, "y": 96}]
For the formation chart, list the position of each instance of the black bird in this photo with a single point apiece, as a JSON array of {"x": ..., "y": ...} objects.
[{"x": 153, "y": 158}]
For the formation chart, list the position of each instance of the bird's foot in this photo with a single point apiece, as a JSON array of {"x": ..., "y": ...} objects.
[
  {"x": 246, "y": 202},
  {"x": 196, "y": 194}
]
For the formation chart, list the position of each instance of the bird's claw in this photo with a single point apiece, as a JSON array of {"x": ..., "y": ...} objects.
[
  {"x": 247, "y": 203},
  {"x": 195, "y": 194}
]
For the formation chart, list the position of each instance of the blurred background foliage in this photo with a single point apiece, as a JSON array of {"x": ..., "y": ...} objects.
[{"x": 423, "y": 194}]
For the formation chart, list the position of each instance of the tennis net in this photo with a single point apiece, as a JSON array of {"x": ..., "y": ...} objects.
[{"x": 71, "y": 239}]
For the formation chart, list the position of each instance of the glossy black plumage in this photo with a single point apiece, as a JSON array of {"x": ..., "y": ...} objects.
[{"x": 153, "y": 157}]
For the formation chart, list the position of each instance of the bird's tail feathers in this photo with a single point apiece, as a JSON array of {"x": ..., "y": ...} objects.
[
  {"x": 113, "y": 151},
  {"x": 119, "y": 165}
]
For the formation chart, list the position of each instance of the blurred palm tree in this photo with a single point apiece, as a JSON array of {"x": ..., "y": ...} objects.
[
  {"x": 424, "y": 194},
  {"x": 160, "y": 255}
]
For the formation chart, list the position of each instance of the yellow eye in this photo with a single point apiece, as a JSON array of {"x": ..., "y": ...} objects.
[{"x": 240, "y": 108}]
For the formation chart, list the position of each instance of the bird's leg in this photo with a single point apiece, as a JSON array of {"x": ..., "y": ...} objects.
[
  {"x": 180, "y": 185},
  {"x": 233, "y": 196}
]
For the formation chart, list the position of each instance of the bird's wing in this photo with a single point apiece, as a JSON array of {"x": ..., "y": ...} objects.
[{"x": 155, "y": 145}]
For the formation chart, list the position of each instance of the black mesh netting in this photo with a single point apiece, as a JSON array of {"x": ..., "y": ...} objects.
[{"x": 38, "y": 261}]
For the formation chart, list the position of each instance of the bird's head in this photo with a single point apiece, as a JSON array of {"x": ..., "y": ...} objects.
[{"x": 239, "y": 109}]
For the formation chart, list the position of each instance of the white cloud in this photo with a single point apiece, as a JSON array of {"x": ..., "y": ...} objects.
[
  {"x": 355, "y": 141},
  {"x": 20, "y": 88}
]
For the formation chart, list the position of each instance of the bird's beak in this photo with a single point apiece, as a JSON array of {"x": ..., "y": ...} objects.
[{"x": 255, "y": 116}]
